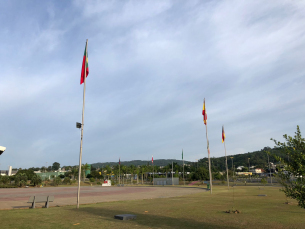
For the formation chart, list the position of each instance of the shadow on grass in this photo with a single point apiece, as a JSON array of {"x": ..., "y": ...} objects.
[{"x": 148, "y": 220}]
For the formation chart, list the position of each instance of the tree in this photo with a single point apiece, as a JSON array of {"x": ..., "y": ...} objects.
[
  {"x": 67, "y": 180},
  {"x": 21, "y": 179},
  {"x": 263, "y": 181},
  {"x": 55, "y": 166},
  {"x": 5, "y": 179},
  {"x": 28, "y": 172},
  {"x": 36, "y": 180},
  {"x": 293, "y": 166},
  {"x": 56, "y": 181}
]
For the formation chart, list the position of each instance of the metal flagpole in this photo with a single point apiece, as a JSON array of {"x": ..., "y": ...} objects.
[
  {"x": 224, "y": 142},
  {"x": 172, "y": 173},
  {"x": 152, "y": 162},
  {"x": 183, "y": 168},
  {"x": 208, "y": 147},
  {"x": 206, "y": 127},
  {"x": 82, "y": 130},
  {"x": 120, "y": 171}
]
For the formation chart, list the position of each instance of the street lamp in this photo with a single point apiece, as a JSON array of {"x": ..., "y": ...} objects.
[
  {"x": 2, "y": 149},
  {"x": 78, "y": 125}
]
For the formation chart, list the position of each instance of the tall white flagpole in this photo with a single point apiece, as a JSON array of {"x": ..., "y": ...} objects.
[
  {"x": 183, "y": 167},
  {"x": 82, "y": 129},
  {"x": 152, "y": 160},
  {"x": 208, "y": 148}
]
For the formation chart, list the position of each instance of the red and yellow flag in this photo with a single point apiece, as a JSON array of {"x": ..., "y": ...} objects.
[
  {"x": 223, "y": 135},
  {"x": 85, "y": 61},
  {"x": 204, "y": 113}
]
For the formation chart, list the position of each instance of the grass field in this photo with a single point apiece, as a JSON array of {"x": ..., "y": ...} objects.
[{"x": 193, "y": 211}]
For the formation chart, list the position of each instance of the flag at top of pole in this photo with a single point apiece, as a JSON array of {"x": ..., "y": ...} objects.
[
  {"x": 85, "y": 61},
  {"x": 152, "y": 158},
  {"x": 223, "y": 134},
  {"x": 204, "y": 113},
  {"x": 119, "y": 161}
]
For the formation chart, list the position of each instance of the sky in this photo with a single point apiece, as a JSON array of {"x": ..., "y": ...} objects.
[{"x": 151, "y": 64}]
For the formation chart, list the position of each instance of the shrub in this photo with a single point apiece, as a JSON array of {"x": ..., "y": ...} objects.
[
  {"x": 5, "y": 179},
  {"x": 67, "y": 180},
  {"x": 56, "y": 181},
  {"x": 21, "y": 179},
  {"x": 36, "y": 180},
  {"x": 92, "y": 180}
]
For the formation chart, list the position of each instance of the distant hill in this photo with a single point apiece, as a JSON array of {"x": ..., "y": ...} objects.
[
  {"x": 259, "y": 159},
  {"x": 157, "y": 162}
]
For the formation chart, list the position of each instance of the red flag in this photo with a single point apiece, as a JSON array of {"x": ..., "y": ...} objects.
[
  {"x": 85, "y": 61},
  {"x": 152, "y": 159},
  {"x": 204, "y": 113},
  {"x": 223, "y": 135}
]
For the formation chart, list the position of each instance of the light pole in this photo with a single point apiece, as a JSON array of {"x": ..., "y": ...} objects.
[{"x": 2, "y": 149}]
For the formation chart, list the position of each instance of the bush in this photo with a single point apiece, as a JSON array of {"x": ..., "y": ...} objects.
[
  {"x": 89, "y": 176},
  {"x": 92, "y": 180},
  {"x": 36, "y": 180},
  {"x": 67, "y": 180},
  {"x": 5, "y": 179},
  {"x": 263, "y": 181},
  {"x": 56, "y": 181},
  {"x": 21, "y": 179}
]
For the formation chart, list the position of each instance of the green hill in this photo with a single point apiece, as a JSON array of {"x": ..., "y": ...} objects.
[
  {"x": 259, "y": 159},
  {"x": 157, "y": 162}
]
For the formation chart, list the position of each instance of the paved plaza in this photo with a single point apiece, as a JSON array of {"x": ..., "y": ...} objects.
[{"x": 18, "y": 197}]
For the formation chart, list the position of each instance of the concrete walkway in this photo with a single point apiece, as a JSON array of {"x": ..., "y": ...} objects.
[{"x": 18, "y": 197}]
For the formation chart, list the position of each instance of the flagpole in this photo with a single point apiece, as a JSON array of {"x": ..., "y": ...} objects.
[
  {"x": 224, "y": 141},
  {"x": 206, "y": 127},
  {"x": 183, "y": 168},
  {"x": 153, "y": 168},
  {"x": 82, "y": 129},
  {"x": 172, "y": 173},
  {"x": 208, "y": 148},
  {"x": 120, "y": 172}
]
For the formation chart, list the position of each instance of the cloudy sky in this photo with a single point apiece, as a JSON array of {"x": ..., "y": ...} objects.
[{"x": 151, "y": 64}]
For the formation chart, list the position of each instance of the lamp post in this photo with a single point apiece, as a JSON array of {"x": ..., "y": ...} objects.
[{"x": 2, "y": 149}]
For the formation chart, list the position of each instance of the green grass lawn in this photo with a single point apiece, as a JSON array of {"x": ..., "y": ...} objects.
[{"x": 193, "y": 211}]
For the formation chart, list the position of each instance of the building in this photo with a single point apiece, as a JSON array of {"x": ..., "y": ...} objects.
[
  {"x": 257, "y": 171},
  {"x": 9, "y": 172},
  {"x": 49, "y": 175},
  {"x": 166, "y": 181}
]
